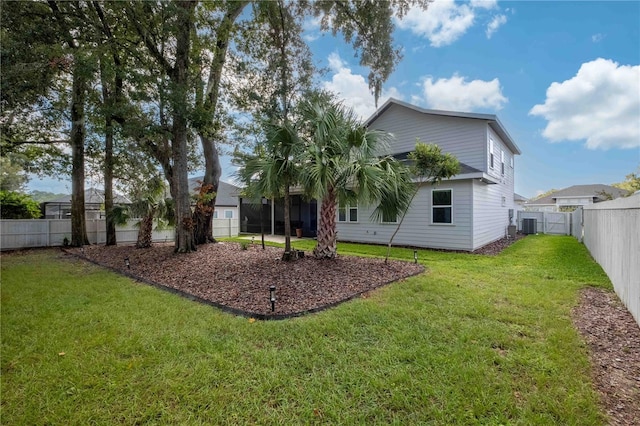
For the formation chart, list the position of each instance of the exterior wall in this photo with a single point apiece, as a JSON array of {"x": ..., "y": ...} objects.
[
  {"x": 491, "y": 203},
  {"x": 221, "y": 211},
  {"x": 463, "y": 137},
  {"x": 417, "y": 229}
]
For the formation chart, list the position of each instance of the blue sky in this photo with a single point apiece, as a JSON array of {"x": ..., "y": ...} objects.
[{"x": 563, "y": 77}]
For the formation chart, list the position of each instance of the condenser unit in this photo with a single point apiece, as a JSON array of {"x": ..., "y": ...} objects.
[{"x": 529, "y": 226}]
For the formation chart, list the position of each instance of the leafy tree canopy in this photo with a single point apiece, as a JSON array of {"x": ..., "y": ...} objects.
[{"x": 14, "y": 205}]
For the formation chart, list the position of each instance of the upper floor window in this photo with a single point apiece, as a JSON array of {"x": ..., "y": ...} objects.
[
  {"x": 442, "y": 206},
  {"x": 491, "y": 157},
  {"x": 215, "y": 214},
  {"x": 228, "y": 214},
  {"x": 347, "y": 213},
  {"x": 502, "y": 162}
]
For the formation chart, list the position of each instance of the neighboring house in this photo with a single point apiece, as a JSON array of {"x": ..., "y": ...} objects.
[
  {"x": 60, "y": 208},
  {"x": 226, "y": 198},
  {"x": 519, "y": 201},
  {"x": 466, "y": 212},
  {"x": 570, "y": 198}
]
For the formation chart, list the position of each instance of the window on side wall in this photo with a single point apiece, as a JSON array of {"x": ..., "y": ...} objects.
[
  {"x": 491, "y": 159},
  {"x": 215, "y": 214},
  {"x": 441, "y": 206},
  {"x": 502, "y": 162},
  {"x": 386, "y": 218},
  {"x": 228, "y": 214},
  {"x": 347, "y": 213}
]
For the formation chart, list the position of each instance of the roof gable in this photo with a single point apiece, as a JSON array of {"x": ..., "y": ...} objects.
[
  {"x": 227, "y": 194},
  {"x": 593, "y": 191},
  {"x": 491, "y": 119}
]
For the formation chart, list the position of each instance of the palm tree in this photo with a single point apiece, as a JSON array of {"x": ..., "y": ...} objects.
[
  {"x": 342, "y": 164},
  {"x": 273, "y": 169},
  {"x": 149, "y": 206}
]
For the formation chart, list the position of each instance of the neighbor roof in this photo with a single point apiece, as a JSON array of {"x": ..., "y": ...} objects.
[
  {"x": 594, "y": 191},
  {"x": 491, "y": 119},
  {"x": 91, "y": 196},
  {"x": 227, "y": 194}
]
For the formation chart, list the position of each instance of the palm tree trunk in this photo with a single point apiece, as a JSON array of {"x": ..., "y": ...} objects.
[
  {"x": 287, "y": 225},
  {"x": 326, "y": 247},
  {"x": 145, "y": 233}
]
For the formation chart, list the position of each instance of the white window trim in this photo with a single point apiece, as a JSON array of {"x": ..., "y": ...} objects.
[
  {"x": 225, "y": 214},
  {"x": 215, "y": 214},
  {"x": 502, "y": 165},
  {"x": 390, "y": 223},
  {"x": 492, "y": 161},
  {"x": 347, "y": 209},
  {"x": 452, "y": 223}
]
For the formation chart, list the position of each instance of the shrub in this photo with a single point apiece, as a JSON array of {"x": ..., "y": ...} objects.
[{"x": 14, "y": 205}]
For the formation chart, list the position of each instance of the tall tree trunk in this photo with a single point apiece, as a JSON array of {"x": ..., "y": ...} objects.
[
  {"x": 203, "y": 212},
  {"x": 179, "y": 148},
  {"x": 108, "y": 181},
  {"x": 326, "y": 247},
  {"x": 78, "y": 221}
]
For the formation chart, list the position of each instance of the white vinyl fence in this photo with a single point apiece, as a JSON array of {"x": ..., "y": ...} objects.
[
  {"x": 18, "y": 234},
  {"x": 557, "y": 223},
  {"x": 612, "y": 235}
]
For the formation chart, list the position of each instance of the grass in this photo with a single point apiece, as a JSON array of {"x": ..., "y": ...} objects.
[{"x": 475, "y": 340}]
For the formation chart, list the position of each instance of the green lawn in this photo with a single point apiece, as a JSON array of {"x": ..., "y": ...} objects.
[{"x": 475, "y": 340}]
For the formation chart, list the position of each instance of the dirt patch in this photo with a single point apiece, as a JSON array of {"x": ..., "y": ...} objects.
[
  {"x": 613, "y": 337},
  {"x": 239, "y": 280}
]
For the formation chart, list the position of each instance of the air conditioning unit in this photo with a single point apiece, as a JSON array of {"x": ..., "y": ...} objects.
[{"x": 529, "y": 226}]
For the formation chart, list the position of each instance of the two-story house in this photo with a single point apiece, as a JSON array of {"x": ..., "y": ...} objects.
[{"x": 466, "y": 212}]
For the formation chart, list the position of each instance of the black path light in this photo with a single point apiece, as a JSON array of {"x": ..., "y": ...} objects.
[
  {"x": 126, "y": 262},
  {"x": 272, "y": 297},
  {"x": 415, "y": 256}
]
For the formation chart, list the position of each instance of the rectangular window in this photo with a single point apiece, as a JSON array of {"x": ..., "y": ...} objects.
[
  {"x": 502, "y": 162},
  {"x": 347, "y": 213},
  {"x": 442, "y": 206},
  {"x": 491, "y": 153},
  {"x": 228, "y": 214},
  {"x": 389, "y": 219},
  {"x": 215, "y": 214}
]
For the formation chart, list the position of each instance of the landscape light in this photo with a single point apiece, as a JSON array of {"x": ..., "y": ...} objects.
[
  {"x": 126, "y": 262},
  {"x": 272, "y": 297},
  {"x": 415, "y": 256}
]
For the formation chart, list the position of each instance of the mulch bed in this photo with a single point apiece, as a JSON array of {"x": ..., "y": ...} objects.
[
  {"x": 613, "y": 337},
  {"x": 238, "y": 280}
]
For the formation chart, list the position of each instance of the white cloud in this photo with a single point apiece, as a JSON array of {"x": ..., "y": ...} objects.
[
  {"x": 458, "y": 94},
  {"x": 599, "y": 105},
  {"x": 495, "y": 23},
  {"x": 596, "y": 38},
  {"x": 445, "y": 21},
  {"x": 354, "y": 89}
]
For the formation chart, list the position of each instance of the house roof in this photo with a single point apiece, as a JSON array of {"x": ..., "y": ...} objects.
[
  {"x": 518, "y": 197},
  {"x": 594, "y": 191},
  {"x": 464, "y": 168},
  {"x": 491, "y": 119},
  {"x": 91, "y": 196},
  {"x": 227, "y": 194}
]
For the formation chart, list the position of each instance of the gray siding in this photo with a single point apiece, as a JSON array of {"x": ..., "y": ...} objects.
[
  {"x": 463, "y": 137},
  {"x": 490, "y": 217},
  {"x": 417, "y": 230}
]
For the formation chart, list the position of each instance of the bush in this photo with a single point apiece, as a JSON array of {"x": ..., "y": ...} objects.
[{"x": 14, "y": 205}]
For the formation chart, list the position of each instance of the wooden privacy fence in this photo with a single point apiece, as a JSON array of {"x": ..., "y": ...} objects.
[
  {"x": 18, "y": 234},
  {"x": 612, "y": 236}
]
